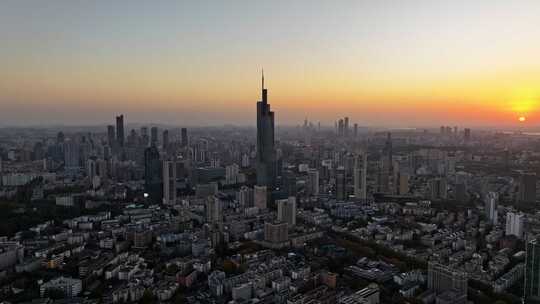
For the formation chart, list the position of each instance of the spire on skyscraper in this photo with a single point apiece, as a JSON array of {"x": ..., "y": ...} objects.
[{"x": 262, "y": 84}]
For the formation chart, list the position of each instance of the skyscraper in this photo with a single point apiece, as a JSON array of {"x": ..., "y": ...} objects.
[
  {"x": 386, "y": 169},
  {"x": 153, "y": 175},
  {"x": 532, "y": 272},
  {"x": 287, "y": 211},
  {"x": 491, "y": 207},
  {"x": 184, "y": 137},
  {"x": 341, "y": 190},
  {"x": 165, "y": 143},
  {"x": 360, "y": 176},
  {"x": 514, "y": 224},
  {"x": 120, "y": 130},
  {"x": 527, "y": 187},
  {"x": 312, "y": 186},
  {"x": 154, "y": 136},
  {"x": 110, "y": 135},
  {"x": 169, "y": 182},
  {"x": 265, "y": 142}
]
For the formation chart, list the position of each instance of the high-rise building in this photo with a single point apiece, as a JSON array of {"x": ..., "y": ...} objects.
[
  {"x": 214, "y": 209},
  {"x": 260, "y": 197},
  {"x": 467, "y": 134},
  {"x": 531, "y": 291},
  {"x": 491, "y": 207},
  {"x": 346, "y": 126},
  {"x": 360, "y": 176},
  {"x": 287, "y": 211},
  {"x": 514, "y": 224},
  {"x": 276, "y": 232},
  {"x": 165, "y": 142},
  {"x": 154, "y": 136},
  {"x": 120, "y": 130},
  {"x": 153, "y": 175},
  {"x": 169, "y": 182},
  {"x": 438, "y": 188},
  {"x": 91, "y": 168},
  {"x": 386, "y": 171},
  {"x": 266, "y": 158},
  {"x": 312, "y": 186},
  {"x": 403, "y": 183},
  {"x": 341, "y": 189},
  {"x": 443, "y": 278},
  {"x": 184, "y": 137},
  {"x": 145, "y": 140},
  {"x": 111, "y": 136},
  {"x": 245, "y": 197},
  {"x": 72, "y": 155},
  {"x": 527, "y": 188}
]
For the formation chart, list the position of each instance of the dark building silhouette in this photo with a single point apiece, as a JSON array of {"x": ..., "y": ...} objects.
[
  {"x": 265, "y": 142},
  {"x": 386, "y": 169},
  {"x": 165, "y": 139},
  {"x": 184, "y": 137},
  {"x": 527, "y": 188},
  {"x": 154, "y": 136},
  {"x": 120, "y": 130},
  {"x": 153, "y": 176},
  {"x": 110, "y": 135}
]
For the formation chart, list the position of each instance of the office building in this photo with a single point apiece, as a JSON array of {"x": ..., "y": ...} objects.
[
  {"x": 360, "y": 176},
  {"x": 154, "y": 136},
  {"x": 312, "y": 185},
  {"x": 184, "y": 137},
  {"x": 287, "y": 211},
  {"x": 165, "y": 142},
  {"x": 111, "y": 136},
  {"x": 527, "y": 188},
  {"x": 490, "y": 207},
  {"x": 531, "y": 291},
  {"x": 153, "y": 175},
  {"x": 260, "y": 197},
  {"x": 120, "y": 130},
  {"x": 265, "y": 142},
  {"x": 514, "y": 224},
  {"x": 169, "y": 182},
  {"x": 214, "y": 209},
  {"x": 341, "y": 187}
]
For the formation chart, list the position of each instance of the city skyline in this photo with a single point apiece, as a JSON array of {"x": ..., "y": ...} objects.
[{"x": 182, "y": 63}]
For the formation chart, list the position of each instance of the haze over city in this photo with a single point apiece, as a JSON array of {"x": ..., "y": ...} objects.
[{"x": 383, "y": 63}]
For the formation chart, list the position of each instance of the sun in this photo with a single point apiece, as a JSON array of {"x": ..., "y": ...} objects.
[{"x": 522, "y": 118}]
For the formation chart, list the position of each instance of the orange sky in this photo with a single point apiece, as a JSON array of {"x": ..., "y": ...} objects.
[{"x": 413, "y": 64}]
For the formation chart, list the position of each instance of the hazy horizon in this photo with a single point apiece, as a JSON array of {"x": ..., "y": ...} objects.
[{"x": 413, "y": 64}]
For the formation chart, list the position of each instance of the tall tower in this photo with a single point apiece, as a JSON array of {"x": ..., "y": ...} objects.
[
  {"x": 265, "y": 142},
  {"x": 360, "y": 176},
  {"x": 531, "y": 291},
  {"x": 153, "y": 175},
  {"x": 169, "y": 182},
  {"x": 120, "y": 130},
  {"x": 111, "y": 135},
  {"x": 386, "y": 169}
]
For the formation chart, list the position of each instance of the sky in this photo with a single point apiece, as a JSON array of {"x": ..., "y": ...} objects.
[{"x": 395, "y": 63}]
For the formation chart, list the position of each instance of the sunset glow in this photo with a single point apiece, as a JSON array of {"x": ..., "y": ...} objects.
[{"x": 413, "y": 64}]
